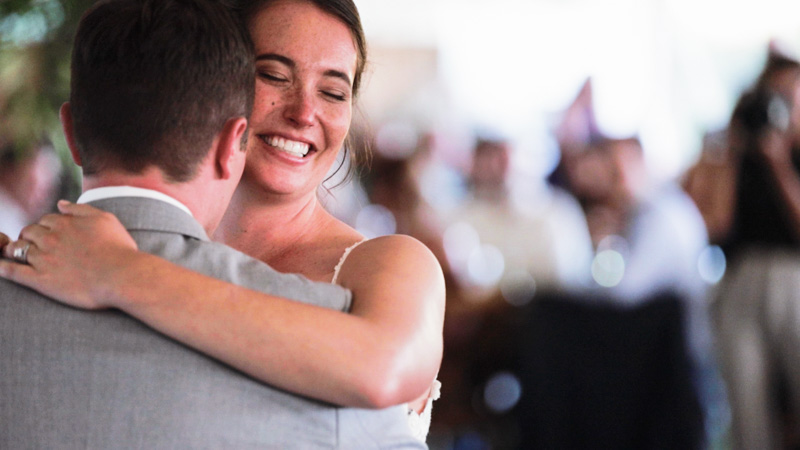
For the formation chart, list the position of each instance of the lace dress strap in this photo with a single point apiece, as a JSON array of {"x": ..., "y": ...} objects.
[{"x": 341, "y": 260}]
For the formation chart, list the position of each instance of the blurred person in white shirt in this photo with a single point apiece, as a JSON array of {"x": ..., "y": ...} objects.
[{"x": 28, "y": 181}]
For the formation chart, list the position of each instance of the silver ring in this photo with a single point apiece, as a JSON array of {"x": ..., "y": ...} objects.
[{"x": 20, "y": 254}]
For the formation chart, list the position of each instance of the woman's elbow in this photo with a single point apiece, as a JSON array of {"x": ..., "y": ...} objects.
[
  {"x": 394, "y": 386},
  {"x": 384, "y": 392}
]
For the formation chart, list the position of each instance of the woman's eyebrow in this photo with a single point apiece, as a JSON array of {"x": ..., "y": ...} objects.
[
  {"x": 275, "y": 57},
  {"x": 338, "y": 74},
  {"x": 290, "y": 63}
]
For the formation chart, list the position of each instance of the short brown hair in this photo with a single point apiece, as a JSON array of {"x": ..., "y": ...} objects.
[{"x": 154, "y": 81}]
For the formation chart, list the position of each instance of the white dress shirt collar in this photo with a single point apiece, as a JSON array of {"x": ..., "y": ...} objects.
[{"x": 103, "y": 193}]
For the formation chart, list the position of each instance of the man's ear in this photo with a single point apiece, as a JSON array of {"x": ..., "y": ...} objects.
[
  {"x": 228, "y": 154},
  {"x": 65, "y": 113}
]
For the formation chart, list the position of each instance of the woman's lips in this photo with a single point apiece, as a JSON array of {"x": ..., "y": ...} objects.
[{"x": 295, "y": 148}]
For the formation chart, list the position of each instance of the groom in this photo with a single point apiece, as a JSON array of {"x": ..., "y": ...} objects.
[{"x": 159, "y": 95}]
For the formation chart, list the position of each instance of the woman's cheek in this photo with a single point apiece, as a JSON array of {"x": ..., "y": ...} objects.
[{"x": 340, "y": 124}]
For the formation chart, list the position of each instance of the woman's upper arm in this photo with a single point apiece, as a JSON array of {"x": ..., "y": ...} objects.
[{"x": 398, "y": 285}]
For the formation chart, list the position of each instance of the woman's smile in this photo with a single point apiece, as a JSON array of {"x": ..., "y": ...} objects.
[{"x": 292, "y": 147}]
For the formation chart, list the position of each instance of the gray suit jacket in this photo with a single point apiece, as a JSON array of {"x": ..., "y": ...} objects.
[{"x": 100, "y": 380}]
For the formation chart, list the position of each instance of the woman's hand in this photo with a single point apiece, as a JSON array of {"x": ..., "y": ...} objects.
[{"x": 71, "y": 257}]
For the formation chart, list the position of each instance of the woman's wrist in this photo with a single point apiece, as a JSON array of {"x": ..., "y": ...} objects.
[{"x": 122, "y": 285}]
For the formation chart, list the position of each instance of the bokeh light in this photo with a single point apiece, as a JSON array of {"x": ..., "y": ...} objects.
[
  {"x": 608, "y": 268},
  {"x": 459, "y": 239},
  {"x": 518, "y": 287},
  {"x": 614, "y": 242},
  {"x": 502, "y": 392},
  {"x": 31, "y": 26},
  {"x": 375, "y": 220},
  {"x": 712, "y": 264},
  {"x": 486, "y": 265},
  {"x": 396, "y": 140}
]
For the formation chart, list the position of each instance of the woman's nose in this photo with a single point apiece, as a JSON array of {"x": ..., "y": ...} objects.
[{"x": 300, "y": 108}]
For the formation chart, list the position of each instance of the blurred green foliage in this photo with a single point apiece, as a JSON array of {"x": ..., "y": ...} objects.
[{"x": 35, "y": 46}]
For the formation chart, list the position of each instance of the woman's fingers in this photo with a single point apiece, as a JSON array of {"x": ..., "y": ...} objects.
[
  {"x": 62, "y": 282},
  {"x": 76, "y": 209},
  {"x": 77, "y": 226},
  {"x": 16, "y": 272},
  {"x": 13, "y": 249},
  {"x": 36, "y": 234},
  {"x": 51, "y": 220},
  {"x": 60, "y": 271},
  {"x": 72, "y": 214},
  {"x": 4, "y": 240},
  {"x": 15, "y": 267},
  {"x": 70, "y": 256}
]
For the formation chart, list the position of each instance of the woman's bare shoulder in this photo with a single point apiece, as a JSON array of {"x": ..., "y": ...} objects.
[
  {"x": 389, "y": 271},
  {"x": 401, "y": 254},
  {"x": 394, "y": 242}
]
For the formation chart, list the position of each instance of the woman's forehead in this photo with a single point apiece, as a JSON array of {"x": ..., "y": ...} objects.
[{"x": 301, "y": 30}]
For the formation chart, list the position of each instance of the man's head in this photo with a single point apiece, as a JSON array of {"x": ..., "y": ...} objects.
[
  {"x": 154, "y": 82},
  {"x": 490, "y": 166}
]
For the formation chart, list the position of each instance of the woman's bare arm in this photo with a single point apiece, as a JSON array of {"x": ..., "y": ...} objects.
[{"x": 385, "y": 352}]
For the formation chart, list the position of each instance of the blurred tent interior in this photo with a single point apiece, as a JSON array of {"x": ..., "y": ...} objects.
[{"x": 667, "y": 70}]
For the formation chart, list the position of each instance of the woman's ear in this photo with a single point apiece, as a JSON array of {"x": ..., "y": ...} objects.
[
  {"x": 65, "y": 113},
  {"x": 229, "y": 154}
]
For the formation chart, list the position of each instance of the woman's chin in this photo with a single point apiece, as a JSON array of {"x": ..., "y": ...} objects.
[{"x": 278, "y": 183}]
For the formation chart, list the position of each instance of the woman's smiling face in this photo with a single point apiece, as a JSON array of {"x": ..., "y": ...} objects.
[{"x": 305, "y": 63}]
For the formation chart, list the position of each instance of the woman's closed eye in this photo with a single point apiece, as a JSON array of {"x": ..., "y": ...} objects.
[
  {"x": 272, "y": 76},
  {"x": 336, "y": 96}
]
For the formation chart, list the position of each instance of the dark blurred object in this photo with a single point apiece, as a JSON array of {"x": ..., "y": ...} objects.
[
  {"x": 595, "y": 375},
  {"x": 761, "y": 109}
]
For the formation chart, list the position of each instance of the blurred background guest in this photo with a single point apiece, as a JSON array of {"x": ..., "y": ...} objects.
[
  {"x": 526, "y": 236},
  {"x": 29, "y": 180},
  {"x": 393, "y": 185},
  {"x": 648, "y": 237},
  {"x": 757, "y": 306}
]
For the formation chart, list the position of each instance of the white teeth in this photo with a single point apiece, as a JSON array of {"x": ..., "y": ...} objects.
[{"x": 295, "y": 148}]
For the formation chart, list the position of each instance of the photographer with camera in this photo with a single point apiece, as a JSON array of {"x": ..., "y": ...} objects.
[{"x": 757, "y": 306}]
